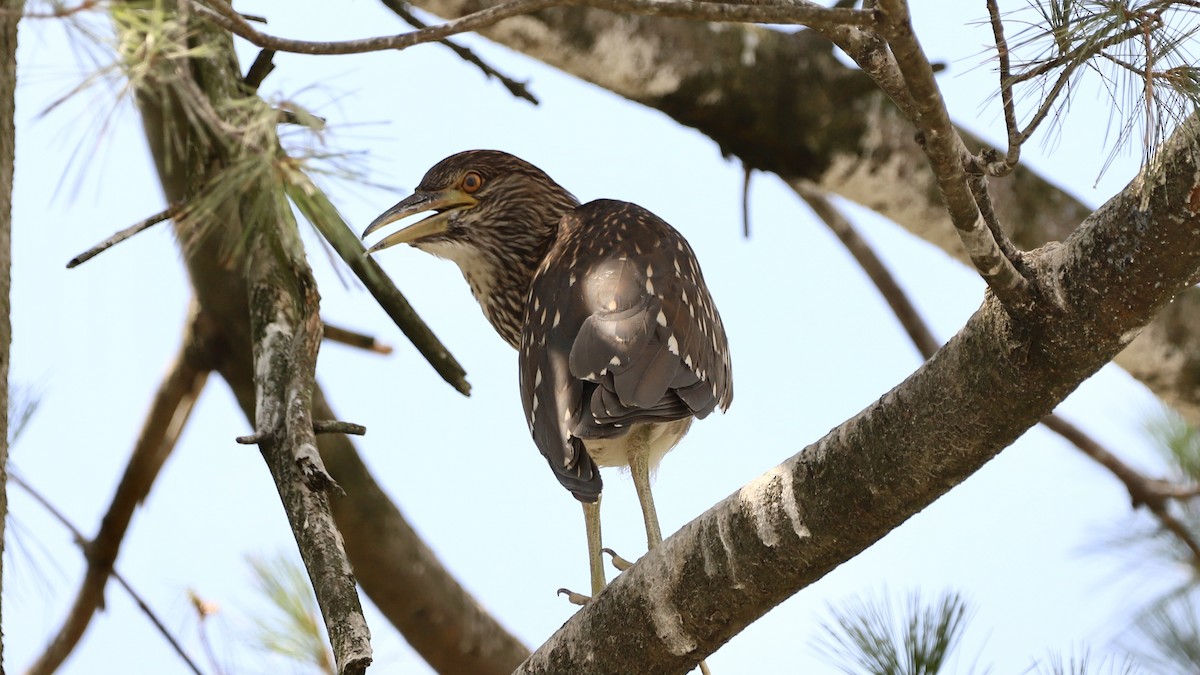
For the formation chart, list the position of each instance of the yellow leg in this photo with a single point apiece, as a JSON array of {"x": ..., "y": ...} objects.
[
  {"x": 591, "y": 522},
  {"x": 639, "y": 470}
]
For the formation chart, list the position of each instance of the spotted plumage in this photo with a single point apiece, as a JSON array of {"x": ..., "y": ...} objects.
[
  {"x": 619, "y": 338},
  {"x": 625, "y": 350}
]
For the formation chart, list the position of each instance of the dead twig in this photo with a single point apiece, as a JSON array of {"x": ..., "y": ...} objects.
[
  {"x": 140, "y": 226},
  {"x": 355, "y": 339}
]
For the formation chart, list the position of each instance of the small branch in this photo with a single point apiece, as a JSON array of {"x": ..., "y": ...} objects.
[
  {"x": 514, "y": 87},
  {"x": 165, "y": 214},
  {"x": 319, "y": 211},
  {"x": 910, "y": 319},
  {"x": 252, "y": 439},
  {"x": 164, "y": 423},
  {"x": 338, "y": 427},
  {"x": 83, "y": 544},
  {"x": 807, "y": 14},
  {"x": 62, "y": 12},
  {"x": 983, "y": 199},
  {"x": 1153, "y": 494},
  {"x": 1006, "y": 86},
  {"x": 355, "y": 339},
  {"x": 948, "y": 157},
  {"x": 262, "y": 66}
]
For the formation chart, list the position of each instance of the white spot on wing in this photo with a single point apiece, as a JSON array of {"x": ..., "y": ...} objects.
[
  {"x": 662, "y": 319},
  {"x": 673, "y": 345}
]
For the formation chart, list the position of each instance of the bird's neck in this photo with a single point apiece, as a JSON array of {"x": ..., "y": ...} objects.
[{"x": 500, "y": 279}]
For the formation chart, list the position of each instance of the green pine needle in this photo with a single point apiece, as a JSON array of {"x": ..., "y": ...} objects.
[{"x": 870, "y": 637}]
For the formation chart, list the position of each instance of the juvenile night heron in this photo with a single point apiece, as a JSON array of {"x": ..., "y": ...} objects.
[{"x": 620, "y": 343}]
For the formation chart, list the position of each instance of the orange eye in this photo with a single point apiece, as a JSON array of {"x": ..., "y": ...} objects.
[{"x": 471, "y": 182}]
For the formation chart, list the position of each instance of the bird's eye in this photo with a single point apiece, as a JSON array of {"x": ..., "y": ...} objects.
[{"x": 471, "y": 182}]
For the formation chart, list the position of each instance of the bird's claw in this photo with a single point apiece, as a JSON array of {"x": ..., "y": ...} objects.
[
  {"x": 617, "y": 561},
  {"x": 575, "y": 598}
]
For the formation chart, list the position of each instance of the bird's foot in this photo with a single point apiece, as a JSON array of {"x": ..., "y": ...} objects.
[
  {"x": 617, "y": 561},
  {"x": 575, "y": 598}
]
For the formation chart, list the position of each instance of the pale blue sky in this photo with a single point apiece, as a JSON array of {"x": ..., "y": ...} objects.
[{"x": 94, "y": 341}]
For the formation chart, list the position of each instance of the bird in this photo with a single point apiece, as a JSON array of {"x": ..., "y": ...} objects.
[{"x": 620, "y": 344}]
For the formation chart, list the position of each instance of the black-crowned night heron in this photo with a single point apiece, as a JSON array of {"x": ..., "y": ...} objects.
[{"x": 620, "y": 343}]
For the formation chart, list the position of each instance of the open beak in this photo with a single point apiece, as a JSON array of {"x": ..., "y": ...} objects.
[{"x": 443, "y": 201}]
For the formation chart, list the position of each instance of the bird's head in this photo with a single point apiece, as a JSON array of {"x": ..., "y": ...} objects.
[{"x": 482, "y": 201}]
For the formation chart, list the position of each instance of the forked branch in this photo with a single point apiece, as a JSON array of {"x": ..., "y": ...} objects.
[{"x": 949, "y": 159}]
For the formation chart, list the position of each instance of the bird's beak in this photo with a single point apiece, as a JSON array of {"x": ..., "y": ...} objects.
[{"x": 444, "y": 201}]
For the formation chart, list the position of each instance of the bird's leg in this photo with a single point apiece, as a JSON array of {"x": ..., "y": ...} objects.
[
  {"x": 639, "y": 470},
  {"x": 591, "y": 522}
]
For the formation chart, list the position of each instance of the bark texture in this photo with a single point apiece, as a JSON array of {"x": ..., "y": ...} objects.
[
  {"x": 781, "y": 102},
  {"x": 974, "y": 397}
]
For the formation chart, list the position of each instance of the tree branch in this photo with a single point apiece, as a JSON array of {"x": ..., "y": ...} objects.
[
  {"x": 140, "y": 226},
  {"x": 903, "y": 309},
  {"x": 864, "y": 152},
  {"x": 770, "y": 11},
  {"x": 319, "y": 211},
  {"x": 788, "y": 528},
  {"x": 514, "y": 87},
  {"x": 165, "y": 420},
  {"x": 285, "y": 329},
  {"x": 8, "y": 91},
  {"x": 949, "y": 156},
  {"x": 1143, "y": 491},
  {"x": 355, "y": 339}
]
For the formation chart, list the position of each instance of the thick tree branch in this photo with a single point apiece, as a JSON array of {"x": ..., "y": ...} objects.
[
  {"x": 797, "y": 522},
  {"x": 165, "y": 420},
  {"x": 1154, "y": 494}
]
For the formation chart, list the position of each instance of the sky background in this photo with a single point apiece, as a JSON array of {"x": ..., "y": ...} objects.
[{"x": 1018, "y": 539}]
